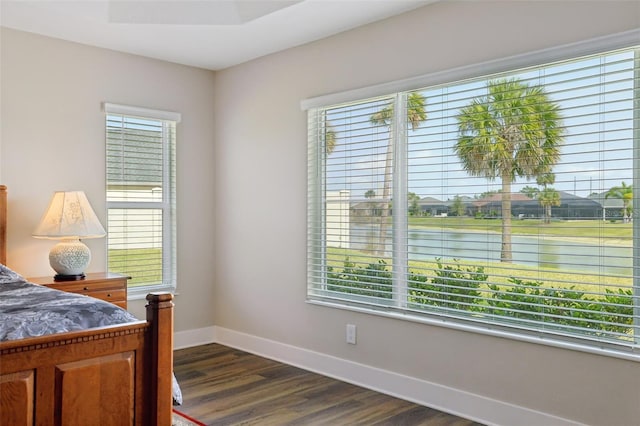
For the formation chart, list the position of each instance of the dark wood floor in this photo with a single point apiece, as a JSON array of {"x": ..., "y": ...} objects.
[{"x": 225, "y": 386}]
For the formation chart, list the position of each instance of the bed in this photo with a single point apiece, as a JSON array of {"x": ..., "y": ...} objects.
[{"x": 114, "y": 374}]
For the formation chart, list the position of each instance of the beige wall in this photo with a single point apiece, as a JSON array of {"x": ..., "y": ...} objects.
[
  {"x": 260, "y": 190},
  {"x": 52, "y": 138}
]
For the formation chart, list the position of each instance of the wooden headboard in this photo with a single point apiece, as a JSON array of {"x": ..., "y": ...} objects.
[{"x": 3, "y": 224}]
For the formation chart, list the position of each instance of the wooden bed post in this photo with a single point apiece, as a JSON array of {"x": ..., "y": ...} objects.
[{"x": 160, "y": 399}]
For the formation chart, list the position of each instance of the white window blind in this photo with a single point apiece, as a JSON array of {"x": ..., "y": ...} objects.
[
  {"x": 141, "y": 193},
  {"x": 504, "y": 201}
]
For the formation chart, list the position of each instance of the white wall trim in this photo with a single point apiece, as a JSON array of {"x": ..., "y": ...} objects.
[
  {"x": 134, "y": 111},
  {"x": 196, "y": 337},
  {"x": 449, "y": 400}
]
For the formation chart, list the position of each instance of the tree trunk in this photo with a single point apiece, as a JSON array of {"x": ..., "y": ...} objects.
[
  {"x": 625, "y": 211},
  {"x": 505, "y": 251},
  {"x": 386, "y": 200},
  {"x": 547, "y": 216}
]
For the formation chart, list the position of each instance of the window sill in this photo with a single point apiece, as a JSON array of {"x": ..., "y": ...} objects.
[{"x": 139, "y": 293}]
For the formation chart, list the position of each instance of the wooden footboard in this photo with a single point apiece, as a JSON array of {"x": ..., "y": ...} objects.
[{"x": 117, "y": 375}]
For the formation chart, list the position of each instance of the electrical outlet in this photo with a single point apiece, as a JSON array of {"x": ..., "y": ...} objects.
[{"x": 351, "y": 334}]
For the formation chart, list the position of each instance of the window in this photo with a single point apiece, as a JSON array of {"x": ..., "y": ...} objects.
[
  {"x": 500, "y": 202},
  {"x": 141, "y": 196}
]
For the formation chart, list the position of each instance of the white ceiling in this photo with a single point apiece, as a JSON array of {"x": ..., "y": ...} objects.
[{"x": 212, "y": 34}]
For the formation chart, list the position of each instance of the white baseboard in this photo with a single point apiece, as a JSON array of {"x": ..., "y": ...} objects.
[
  {"x": 454, "y": 401},
  {"x": 197, "y": 337}
]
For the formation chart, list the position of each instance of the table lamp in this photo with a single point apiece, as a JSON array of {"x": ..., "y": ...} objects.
[{"x": 69, "y": 217}]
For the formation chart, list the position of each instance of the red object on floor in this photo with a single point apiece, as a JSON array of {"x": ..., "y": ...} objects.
[{"x": 191, "y": 419}]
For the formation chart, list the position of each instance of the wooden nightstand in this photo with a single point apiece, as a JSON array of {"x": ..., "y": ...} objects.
[{"x": 103, "y": 285}]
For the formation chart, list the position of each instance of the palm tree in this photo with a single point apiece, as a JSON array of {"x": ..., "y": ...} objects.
[
  {"x": 514, "y": 131},
  {"x": 546, "y": 179},
  {"x": 625, "y": 193},
  {"x": 329, "y": 138},
  {"x": 416, "y": 114},
  {"x": 530, "y": 191},
  {"x": 547, "y": 198}
]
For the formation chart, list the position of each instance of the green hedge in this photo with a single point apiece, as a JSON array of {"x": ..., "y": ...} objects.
[{"x": 466, "y": 290}]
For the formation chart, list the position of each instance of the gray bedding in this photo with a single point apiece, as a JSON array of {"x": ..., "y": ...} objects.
[{"x": 30, "y": 310}]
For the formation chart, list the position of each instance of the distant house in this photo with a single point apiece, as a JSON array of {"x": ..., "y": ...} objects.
[
  {"x": 337, "y": 219},
  {"x": 367, "y": 208},
  {"x": 521, "y": 205},
  {"x": 574, "y": 207},
  {"x": 611, "y": 207},
  {"x": 433, "y": 207},
  {"x": 571, "y": 206}
]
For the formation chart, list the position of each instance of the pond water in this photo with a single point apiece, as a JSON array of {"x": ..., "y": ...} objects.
[{"x": 550, "y": 252}]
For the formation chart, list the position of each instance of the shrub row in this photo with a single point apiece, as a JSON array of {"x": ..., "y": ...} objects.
[{"x": 465, "y": 291}]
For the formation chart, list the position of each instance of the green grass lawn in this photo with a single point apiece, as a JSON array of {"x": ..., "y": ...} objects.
[
  {"x": 606, "y": 230},
  {"x": 144, "y": 266}
]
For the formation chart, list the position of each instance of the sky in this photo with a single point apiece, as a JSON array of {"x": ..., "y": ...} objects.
[{"x": 595, "y": 97}]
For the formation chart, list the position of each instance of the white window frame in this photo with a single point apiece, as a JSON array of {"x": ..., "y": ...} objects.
[
  {"x": 168, "y": 203},
  {"x": 316, "y": 191}
]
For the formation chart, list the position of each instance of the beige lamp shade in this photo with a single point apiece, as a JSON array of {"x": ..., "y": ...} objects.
[{"x": 69, "y": 215}]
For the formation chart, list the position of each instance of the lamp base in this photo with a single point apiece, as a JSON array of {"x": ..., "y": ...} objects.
[
  {"x": 70, "y": 257},
  {"x": 59, "y": 277}
]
